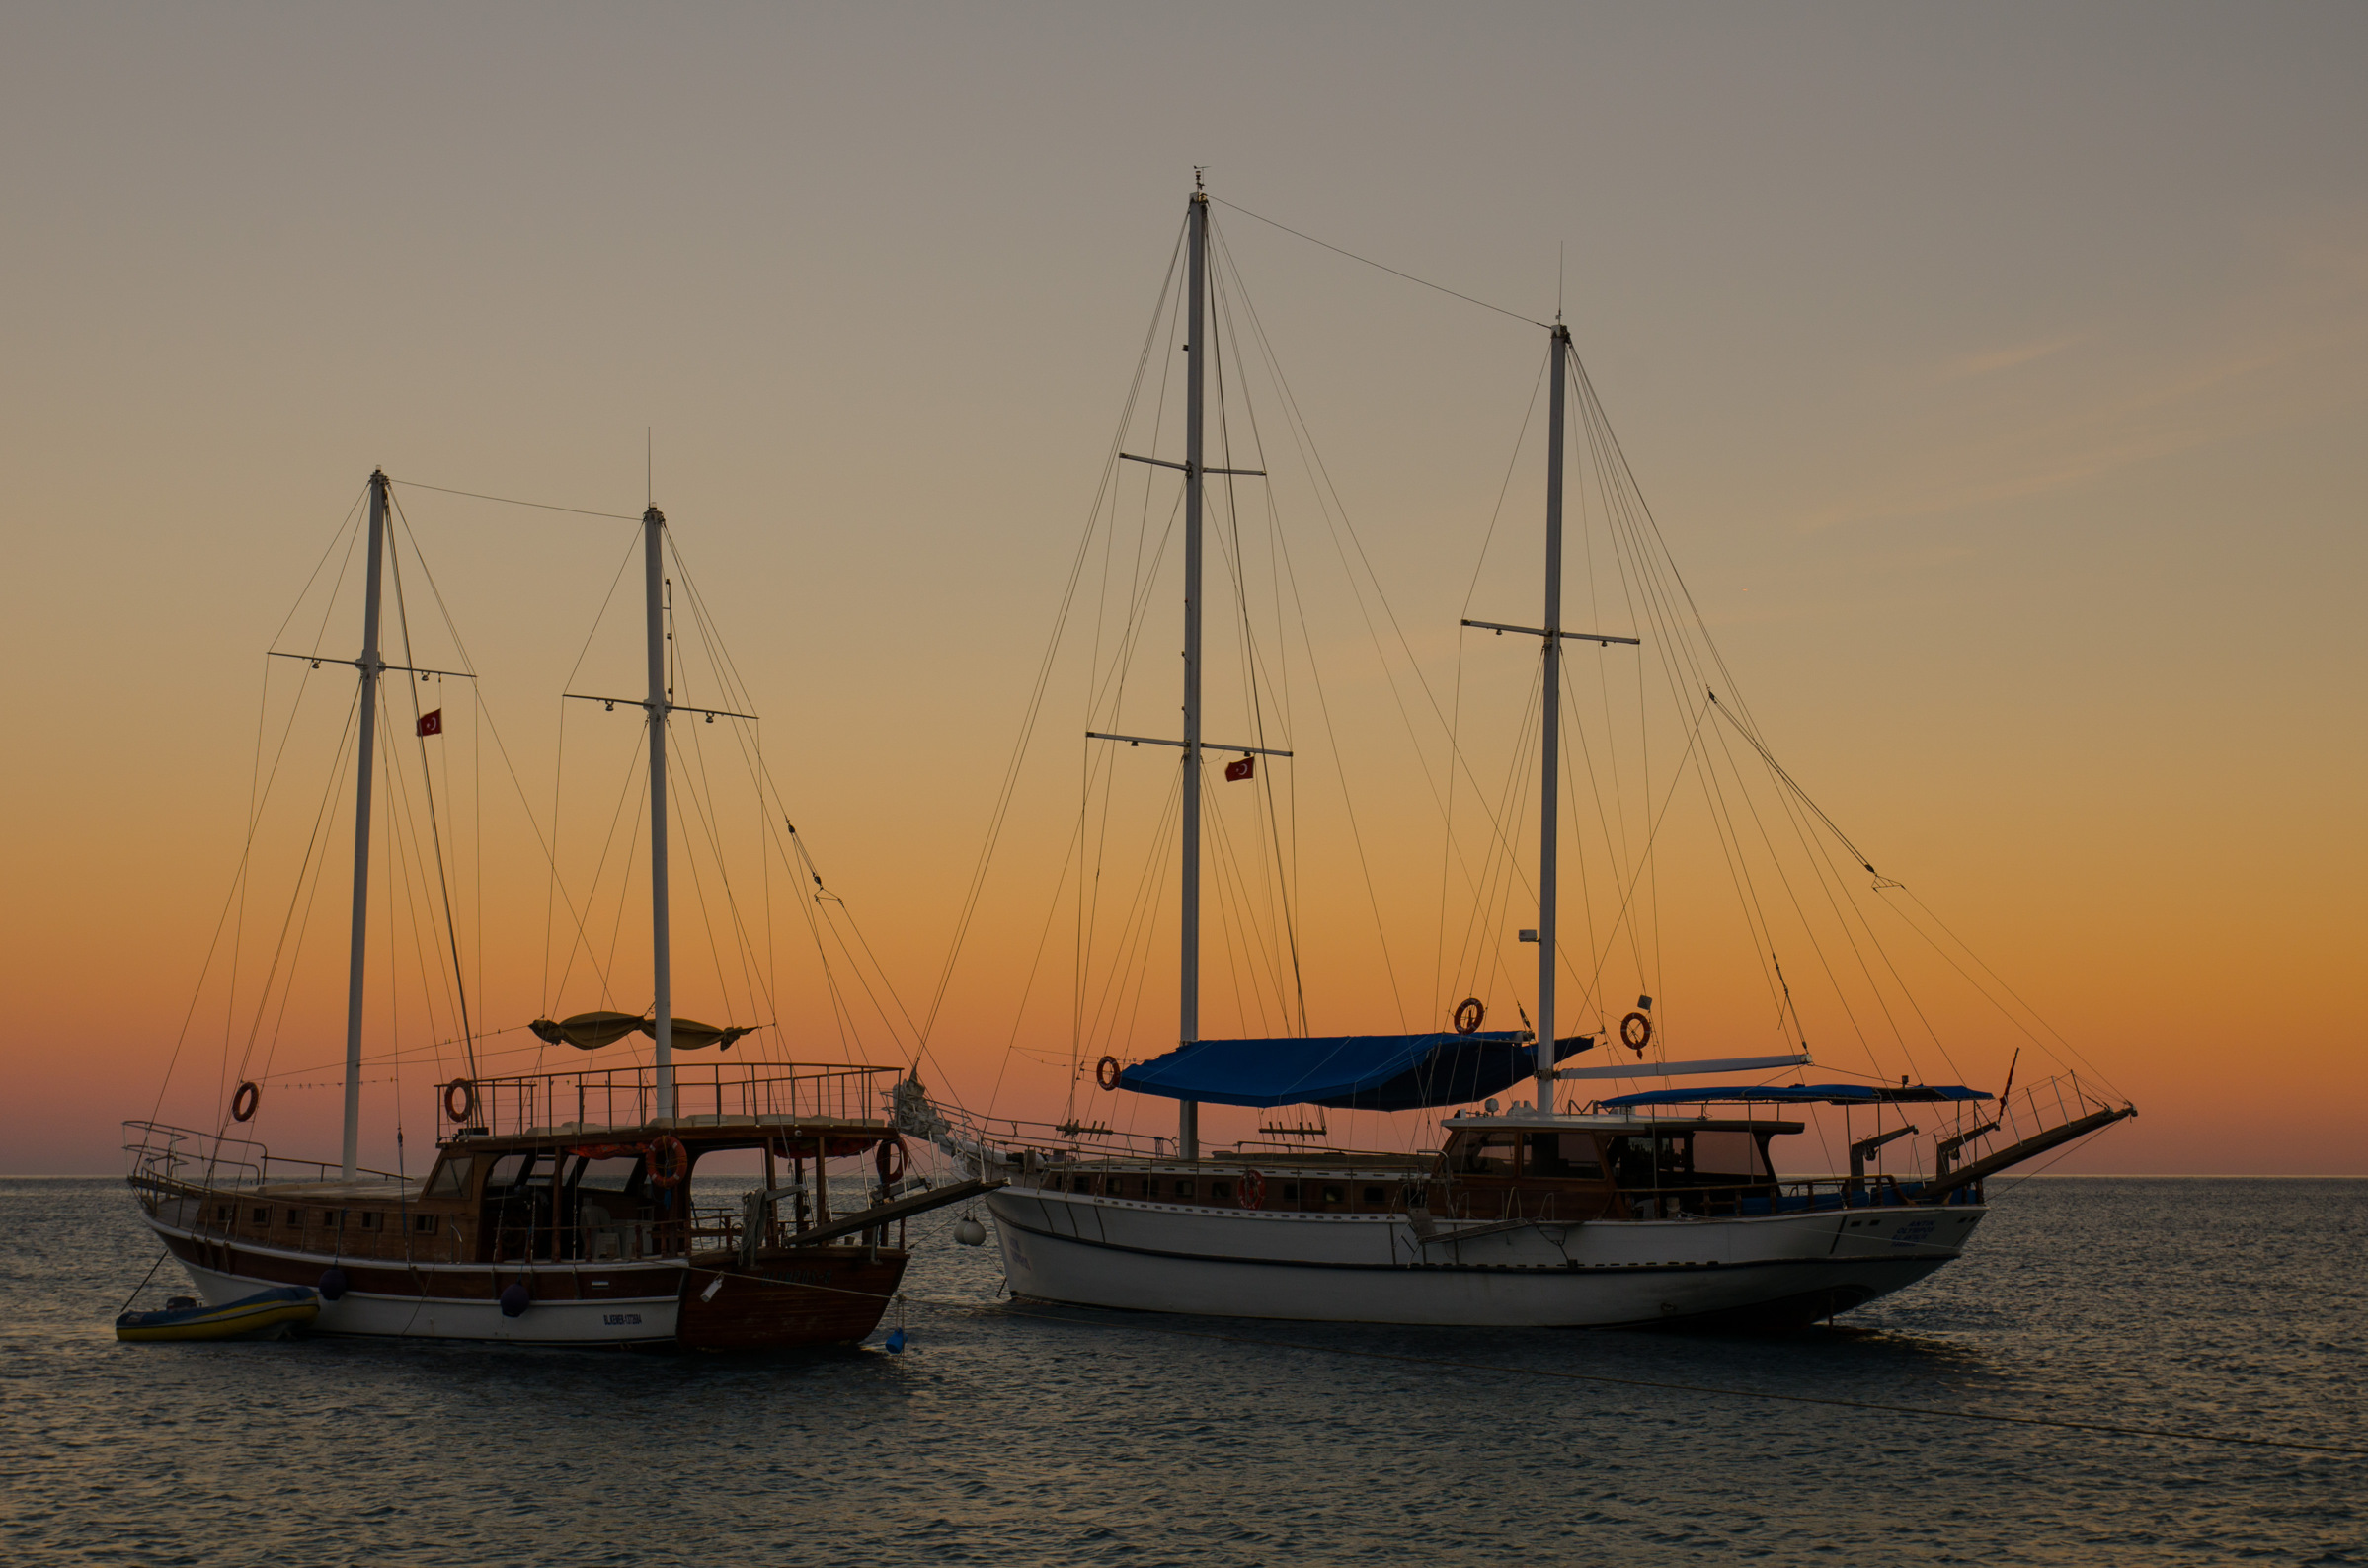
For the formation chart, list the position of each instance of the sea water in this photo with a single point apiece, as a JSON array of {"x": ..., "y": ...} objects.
[{"x": 2234, "y": 1307}]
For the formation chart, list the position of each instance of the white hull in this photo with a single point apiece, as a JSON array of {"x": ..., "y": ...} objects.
[
  {"x": 1093, "y": 1251},
  {"x": 625, "y": 1321},
  {"x": 647, "y": 1316}
]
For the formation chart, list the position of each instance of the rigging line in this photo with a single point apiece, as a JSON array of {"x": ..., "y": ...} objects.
[
  {"x": 1321, "y": 482},
  {"x": 607, "y": 599},
  {"x": 344, "y": 532},
  {"x": 313, "y": 852},
  {"x": 1777, "y": 768},
  {"x": 1035, "y": 702},
  {"x": 1984, "y": 993},
  {"x": 591, "y": 893},
  {"x": 1505, "y": 487},
  {"x": 1369, "y": 262},
  {"x": 506, "y": 500},
  {"x": 485, "y": 711},
  {"x": 436, "y": 830},
  {"x": 1659, "y": 823}
]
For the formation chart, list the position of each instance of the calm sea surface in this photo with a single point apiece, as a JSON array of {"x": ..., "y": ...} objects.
[{"x": 2229, "y": 1306}]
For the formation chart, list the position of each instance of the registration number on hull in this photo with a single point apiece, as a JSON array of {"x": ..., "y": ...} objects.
[{"x": 621, "y": 1320}]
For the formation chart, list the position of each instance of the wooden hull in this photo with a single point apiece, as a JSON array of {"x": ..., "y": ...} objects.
[{"x": 792, "y": 1299}]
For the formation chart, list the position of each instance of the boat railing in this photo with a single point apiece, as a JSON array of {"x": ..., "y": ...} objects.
[
  {"x": 180, "y": 1157},
  {"x": 1976, "y": 1128},
  {"x": 705, "y": 1093},
  {"x": 1003, "y": 1143}
]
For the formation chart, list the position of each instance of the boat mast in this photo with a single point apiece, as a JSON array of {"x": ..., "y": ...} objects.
[
  {"x": 1548, "y": 782},
  {"x": 370, "y": 666},
  {"x": 652, "y": 524},
  {"x": 1188, "y": 1025}
]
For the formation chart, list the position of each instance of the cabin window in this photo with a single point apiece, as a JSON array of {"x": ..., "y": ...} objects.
[
  {"x": 508, "y": 1171},
  {"x": 451, "y": 1178},
  {"x": 1334, "y": 1197},
  {"x": 372, "y": 1220},
  {"x": 225, "y": 1211},
  {"x": 1733, "y": 1155},
  {"x": 1570, "y": 1155},
  {"x": 1291, "y": 1192},
  {"x": 261, "y": 1216},
  {"x": 1376, "y": 1197},
  {"x": 1219, "y": 1192},
  {"x": 1486, "y": 1153},
  {"x": 425, "y": 1224},
  {"x": 295, "y": 1220},
  {"x": 1184, "y": 1189},
  {"x": 611, "y": 1175}
]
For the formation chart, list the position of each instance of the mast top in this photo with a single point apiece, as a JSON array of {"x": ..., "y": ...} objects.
[{"x": 1200, "y": 182}]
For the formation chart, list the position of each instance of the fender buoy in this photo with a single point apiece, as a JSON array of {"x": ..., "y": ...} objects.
[
  {"x": 332, "y": 1285},
  {"x": 1253, "y": 1190},
  {"x": 514, "y": 1300},
  {"x": 1105, "y": 1073},
  {"x": 889, "y": 1160},
  {"x": 461, "y": 1100},
  {"x": 1636, "y": 1031},
  {"x": 1468, "y": 1013},
  {"x": 243, "y": 1103},
  {"x": 670, "y": 1161}
]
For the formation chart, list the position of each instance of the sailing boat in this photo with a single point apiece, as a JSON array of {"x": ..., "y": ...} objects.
[
  {"x": 1661, "y": 1206},
  {"x": 559, "y": 1210}
]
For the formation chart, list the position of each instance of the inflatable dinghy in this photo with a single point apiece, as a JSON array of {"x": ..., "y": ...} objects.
[{"x": 266, "y": 1315}]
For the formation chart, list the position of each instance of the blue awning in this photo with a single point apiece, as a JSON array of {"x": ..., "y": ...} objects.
[
  {"x": 1347, "y": 1072},
  {"x": 1805, "y": 1094}
]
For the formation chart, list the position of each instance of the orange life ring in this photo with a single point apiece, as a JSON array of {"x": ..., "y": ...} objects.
[
  {"x": 891, "y": 1171},
  {"x": 1469, "y": 1012},
  {"x": 466, "y": 1106},
  {"x": 1637, "y": 1038},
  {"x": 243, "y": 1103},
  {"x": 1253, "y": 1190},
  {"x": 1105, "y": 1073},
  {"x": 670, "y": 1161}
]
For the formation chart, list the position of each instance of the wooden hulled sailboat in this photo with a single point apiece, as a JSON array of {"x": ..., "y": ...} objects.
[
  {"x": 1663, "y": 1204},
  {"x": 559, "y": 1210}
]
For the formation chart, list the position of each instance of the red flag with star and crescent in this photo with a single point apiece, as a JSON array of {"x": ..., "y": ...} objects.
[
  {"x": 1235, "y": 773},
  {"x": 432, "y": 722}
]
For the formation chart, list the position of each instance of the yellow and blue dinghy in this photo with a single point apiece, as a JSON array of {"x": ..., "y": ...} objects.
[{"x": 266, "y": 1315}]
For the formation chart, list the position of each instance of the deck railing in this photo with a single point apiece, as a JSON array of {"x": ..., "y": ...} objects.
[
  {"x": 165, "y": 1156},
  {"x": 627, "y": 1097}
]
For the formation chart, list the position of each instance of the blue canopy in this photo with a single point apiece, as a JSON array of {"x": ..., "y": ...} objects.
[
  {"x": 1347, "y": 1072},
  {"x": 1805, "y": 1094}
]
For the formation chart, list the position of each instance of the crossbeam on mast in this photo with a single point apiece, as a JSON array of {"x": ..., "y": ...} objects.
[
  {"x": 318, "y": 660},
  {"x": 1206, "y": 745},
  {"x": 1606, "y": 639},
  {"x": 1186, "y": 468},
  {"x": 640, "y": 702}
]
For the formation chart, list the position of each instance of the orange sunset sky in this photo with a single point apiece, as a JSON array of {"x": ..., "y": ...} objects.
[{"x": 1995, "y": 376}]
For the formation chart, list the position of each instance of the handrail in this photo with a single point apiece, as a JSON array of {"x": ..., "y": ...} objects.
[{"x": 585, "y": 1098}]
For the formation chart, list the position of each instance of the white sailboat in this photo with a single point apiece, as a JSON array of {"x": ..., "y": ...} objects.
[{"x": 1664, "y": 1205}]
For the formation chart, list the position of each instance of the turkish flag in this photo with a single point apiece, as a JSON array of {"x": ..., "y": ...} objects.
[
  {"x": 1235, "y": 773},
  {"x": 432, "y": 722}
]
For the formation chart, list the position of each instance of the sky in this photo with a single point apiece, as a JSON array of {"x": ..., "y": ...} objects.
[{"x": 1995, "y": 377}]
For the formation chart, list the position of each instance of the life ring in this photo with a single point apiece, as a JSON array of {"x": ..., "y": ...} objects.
[
  {"x": 1253, "y": 1190},
  {"x": 1469, "y": 1014},
  {"x": 670, "y": 1161},
  {"x": 1635, "y": 1038},
  {"x": 460, "y": 1109},
  {"x": 1105, "y": 1073},
  {"x": 889, "y": 1160},
  {"x": 243, "y": 1103}
]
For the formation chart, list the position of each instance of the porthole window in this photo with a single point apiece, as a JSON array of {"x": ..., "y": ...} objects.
[{"x": 1376, "y": 1196}]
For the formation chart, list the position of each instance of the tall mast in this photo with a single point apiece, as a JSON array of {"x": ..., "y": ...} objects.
[
  {"x": 1188, "y": 1025},
  {"x": 1548, "y": 783},
  {"x": 652, "y": 524},
  {"x": 365, "y": 764}
]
